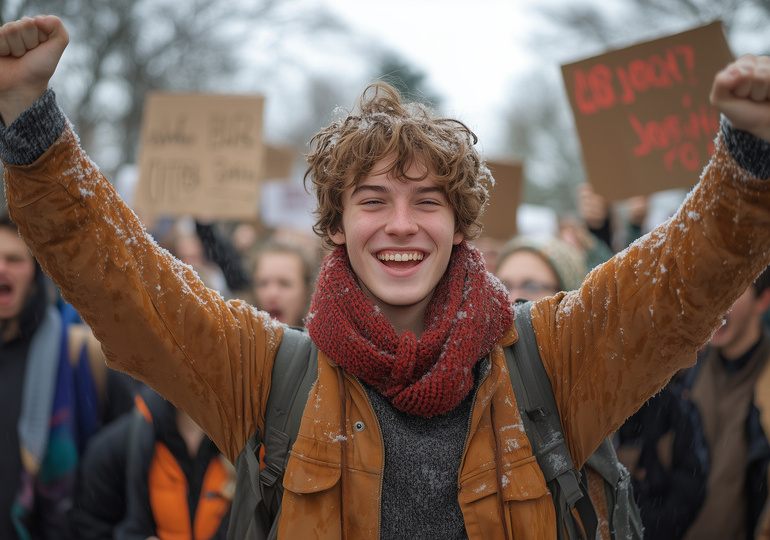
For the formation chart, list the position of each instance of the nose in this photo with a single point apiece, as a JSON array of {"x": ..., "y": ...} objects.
[{"x": 401, "y": 220}]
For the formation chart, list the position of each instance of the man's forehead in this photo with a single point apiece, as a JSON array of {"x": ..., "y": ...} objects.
[{"x": 385, "y": 169}]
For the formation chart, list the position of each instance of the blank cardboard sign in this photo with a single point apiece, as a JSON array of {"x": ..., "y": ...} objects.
[
  {"x": 499, "y": 218},
  {"x": 279, "y": 162},
  {"x": 643, "y": 113}
]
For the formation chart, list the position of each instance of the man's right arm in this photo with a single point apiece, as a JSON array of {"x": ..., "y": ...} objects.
[{"x": 154, "y": 317}]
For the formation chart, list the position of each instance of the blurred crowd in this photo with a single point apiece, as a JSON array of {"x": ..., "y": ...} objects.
[{"x": 103, "y": 456}]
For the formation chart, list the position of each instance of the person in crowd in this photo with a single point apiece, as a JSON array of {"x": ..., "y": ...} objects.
[
  {"x": 574, "y": 231},
  {"x": 184, "y": 242},
  {"x": 664, "y": 448},
  {"x": 283, "y": 282},
  {"x": 281, "y": 279},
  {"x": 54, "y": 397},
  {"x": 532, "y": 268},
  {"x": 178, "y": 484},
  {"x": 39, "y": 447},
  {"x": 605, "y": 223},
  {"x": 223, "y": 252},
  {"x": 412, "y": 426},
  {"x": 723, "y": 386},
  {"x": 100, "y": 497}
]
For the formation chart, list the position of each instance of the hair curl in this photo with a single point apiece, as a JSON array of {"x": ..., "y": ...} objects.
[{"x": 346, "y": 151}]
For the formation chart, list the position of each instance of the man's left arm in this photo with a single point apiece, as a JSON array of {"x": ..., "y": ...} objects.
[{"x": 641, "y": 316}]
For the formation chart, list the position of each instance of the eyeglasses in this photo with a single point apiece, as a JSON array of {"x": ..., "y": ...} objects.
[{"x": 531, "y": 288}]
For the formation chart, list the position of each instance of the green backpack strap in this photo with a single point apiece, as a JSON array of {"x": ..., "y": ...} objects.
[
  {"x": 258, "y": 493},
  {"x": 534, "y": 395}
]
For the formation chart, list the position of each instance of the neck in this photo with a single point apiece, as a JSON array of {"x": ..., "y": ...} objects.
[
  {"x": 403, "y": 318},
  {"x": 190, "y": 432},
  {"x": 9, "y": 329}
]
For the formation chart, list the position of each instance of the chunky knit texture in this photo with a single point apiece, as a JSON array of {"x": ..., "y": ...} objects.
[{"x": 466, "y": 317}]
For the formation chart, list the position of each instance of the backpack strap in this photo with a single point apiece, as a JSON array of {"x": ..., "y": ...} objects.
[
  {"x": 534, "y": 394},
  {"x": 258, "y": 493},
  {"x": 293, "y": 376}
]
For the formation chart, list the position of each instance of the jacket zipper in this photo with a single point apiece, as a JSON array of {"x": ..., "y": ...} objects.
[
  {"x": 488, "y": 369},
  {"x": 382, "y": 447}
]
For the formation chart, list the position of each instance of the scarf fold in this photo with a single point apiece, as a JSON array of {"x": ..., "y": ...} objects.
[
  {"x": 41, "y": 384},
  {"x": 427, "y": 376}
]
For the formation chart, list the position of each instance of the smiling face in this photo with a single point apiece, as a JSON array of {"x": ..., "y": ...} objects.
[
  {"x": 399, "y": 237},
  {"x": 17, "y": 274}
]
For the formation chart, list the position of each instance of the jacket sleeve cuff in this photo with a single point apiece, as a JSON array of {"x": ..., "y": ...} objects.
[
  {"x": 33, "y": 132},
  {"x": 749, "y": 151}
]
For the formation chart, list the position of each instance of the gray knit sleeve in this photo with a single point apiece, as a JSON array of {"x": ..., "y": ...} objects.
[
  {"x": 33, "y": 132},
  {"x": 750, "y": 152}
]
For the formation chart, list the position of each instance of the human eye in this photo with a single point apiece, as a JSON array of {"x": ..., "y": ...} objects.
[
  {"x": 430, "y": 202},
  {"x": 537, "y": 288}
]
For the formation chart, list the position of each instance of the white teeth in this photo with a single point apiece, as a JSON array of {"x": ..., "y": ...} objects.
[{"x": 400, "y": 257}]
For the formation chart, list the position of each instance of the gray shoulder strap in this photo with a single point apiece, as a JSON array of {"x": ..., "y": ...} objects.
[
  {"x": 540, "y": 415},
  {"x": 258, "y": 491},
  {"x": 294, "y": 372}
]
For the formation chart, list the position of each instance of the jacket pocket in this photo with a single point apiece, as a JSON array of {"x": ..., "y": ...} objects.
[
  {"x": 311, "y": 467},
  {"x": 311, "y": 490},
  {"x": 529, "y": 512},
  {"x": 520, "y": 481}
]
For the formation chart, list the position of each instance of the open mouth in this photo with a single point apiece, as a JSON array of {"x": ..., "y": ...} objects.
[
  {"x": 5, "y": 292},
  {"x": 400, "y": 260}
]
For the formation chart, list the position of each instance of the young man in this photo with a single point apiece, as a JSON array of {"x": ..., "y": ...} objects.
[
  {"x": 725, "y": 386},
  {"x": 412, "y": 426}
]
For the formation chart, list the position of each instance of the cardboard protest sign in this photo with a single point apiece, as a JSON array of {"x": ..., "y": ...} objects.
[
  {"x": 643, "y": 115},
  {"x": 279, "y": 162},
  {"x": 499, "y": 218},
  {"x": 201, "y": 155}
]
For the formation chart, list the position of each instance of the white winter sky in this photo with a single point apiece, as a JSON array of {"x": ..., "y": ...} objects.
[{"x": 471, "y": 50}]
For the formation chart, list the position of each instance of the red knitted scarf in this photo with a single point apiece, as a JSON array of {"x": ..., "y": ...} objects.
[{"x": 466, "y": 317}]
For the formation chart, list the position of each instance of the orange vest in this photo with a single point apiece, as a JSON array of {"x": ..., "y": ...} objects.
[{"x": 168, "y": 498}]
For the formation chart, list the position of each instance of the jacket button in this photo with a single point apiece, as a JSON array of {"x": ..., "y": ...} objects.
[{"x": 359, "y": 426}]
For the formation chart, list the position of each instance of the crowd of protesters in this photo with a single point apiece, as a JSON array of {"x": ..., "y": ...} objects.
[{"x": 89, "y": 452}]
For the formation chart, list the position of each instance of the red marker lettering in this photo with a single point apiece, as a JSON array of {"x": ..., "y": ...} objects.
[{"x": 582, "y": 98}]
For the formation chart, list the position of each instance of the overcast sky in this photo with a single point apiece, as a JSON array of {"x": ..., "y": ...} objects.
[{"x": 470, "y": 50}]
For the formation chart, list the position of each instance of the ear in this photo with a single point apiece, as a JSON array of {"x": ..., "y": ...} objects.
[
  {"x": 338, "y": 236},
  {"x": 457, "y": 238},
  {"x": 763, "y": 301}
]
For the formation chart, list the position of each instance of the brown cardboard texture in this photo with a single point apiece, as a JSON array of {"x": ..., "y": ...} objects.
[
  {"x": 643, "y": 113},
  {"x": 201, "y": 155},
  {"x": 499, "y": 218},
  {"x": 279, "y": 162}
]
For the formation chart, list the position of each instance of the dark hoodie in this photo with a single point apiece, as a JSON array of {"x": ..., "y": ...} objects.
[{"x": 13, "y": 360}]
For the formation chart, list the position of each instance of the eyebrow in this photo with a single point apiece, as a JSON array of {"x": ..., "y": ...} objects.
[{"x": 382, "y": 189}]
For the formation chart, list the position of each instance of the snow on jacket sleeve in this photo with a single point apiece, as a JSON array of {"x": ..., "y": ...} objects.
[
  {"x": 642, "y": 315},
  {"x": 153, "y": 315}
]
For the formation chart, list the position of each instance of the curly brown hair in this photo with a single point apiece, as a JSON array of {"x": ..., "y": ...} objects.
[{"x": 346, "y": 151}]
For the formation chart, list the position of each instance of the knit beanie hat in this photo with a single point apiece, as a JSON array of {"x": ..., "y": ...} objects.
[{"x": 567, "y": 262}]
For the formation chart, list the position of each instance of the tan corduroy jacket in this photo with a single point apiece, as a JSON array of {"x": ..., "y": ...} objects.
[{"x": 608, "y": 347}]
